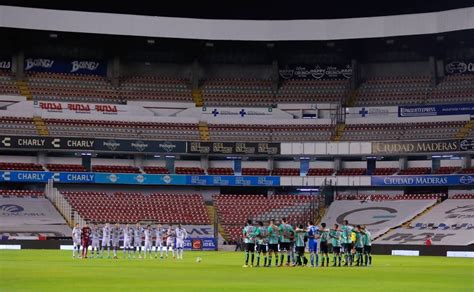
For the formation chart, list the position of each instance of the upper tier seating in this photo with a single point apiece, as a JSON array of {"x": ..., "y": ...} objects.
[
  {"x": 385, "y": 171},
  {"x": 71, "y": 87},
  {"x": 135, "y": 207},
  {"x": 114, "y": 129},
  {"x": 453, "y": 89},
  {"x": 189, "y": 170},
  {"x": 352, "y": 171},
  {"x": 17, "y": 126},
  {"x": 115, "y": 168},
  {"x": 155, "y": 88},
  {"x": 234, "y": 210},
  {"x": 468, "y": 170},
  {"x": 415, "y": 171},
  {"x": 220, "y": 171},
  {"x": 286, "y": 171},
  {"x": 448, "y": 170},
  {"x": 394, "y": 90},
  {"x": 66, "y": 167},
  {"x": 255, "y": 171},
  {"x": 7, "y": 84},
  {"x": 320, "y": 172},
  {"x": 21, "y": 193},
  {"x": 402, "y": 131},
  {"x": 310, "y": 91},
  {"x": 237, "y": 92},
  {"x": 20, "y": 166},
  {"x": 156, "y": 169}
]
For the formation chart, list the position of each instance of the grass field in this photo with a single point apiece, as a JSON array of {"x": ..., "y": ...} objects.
[{"x": 48, "y": 270}]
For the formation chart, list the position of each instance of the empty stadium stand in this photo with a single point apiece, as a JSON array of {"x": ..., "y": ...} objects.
[
  {"x": 310, "y": 91},
  {"x": 155, "y": 88},
  {"x": 7, "y": 84},
  {"x": 255, "y": 171},
  {"x": 66, "y": 167},
  {"x": 156, "y": 169},
  {"x": 320, "y": 172},
  {"x": 20, "y": 166},
  {"x": 352, "y": 171},
  {"x": 453, "y": 89},
  {"x": 286, "y": 171},
  {"x": 220, "y": 171},
  {"x": 448, "y": 170},
  {"x": 189, "y": 170},
  {"x": 385, "y": 171},
  {"x": 115, "y": 168},
  {"x": 17, "y": 126},
  {"x": 234, "y": 210},
  {"x": 134, "y": 207},
  {"x": 415, "y": 171}
]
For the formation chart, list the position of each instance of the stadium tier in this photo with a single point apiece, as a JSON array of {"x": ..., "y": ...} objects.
[
  {"x": 115, "y": 168},
  {"x": 21, "y": 166},
  {"x": 320, "y": 172},
  {"x": 235, "y": 209},
  {"x": 135, "y": 207},
  {"x": 155, "y": 88},
  {"x": 189, "y": 170},
  {"x": 156, "y": 170},
  {"x": 310, "y": 91},
  {"x": 7, "y": 84},
  {"x": 255, "y": 171},
  {"x": 66, "y": 167}
]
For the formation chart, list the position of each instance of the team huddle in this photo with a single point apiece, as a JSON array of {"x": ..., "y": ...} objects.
[
  {"x": 353, "y": 243},
  {"x": 134, "y": 239}
]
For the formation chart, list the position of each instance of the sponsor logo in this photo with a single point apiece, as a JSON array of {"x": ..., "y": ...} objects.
[
  {"x": 387, "y": 213},
  {"x": 421, "y": 237},
  {"x": 167, "y": 146},
  {"x": 11, "y": 208},
  {"x": 197, "y": 244},
  {"x": 407, "y": 147},
  {"x": 167, "y": 179},
  {"x": 466, "y": 179},
  {"x": 317, "y": 72},
  {"x": 113, "y": 178},
  {"x": 456, "y": 67},
  {"x": 466, "y": 145},
  {"x": 7, "y": 141},
  {"x": 140, "y": 178},
  {"x": 287, "y": 73},
  {"x": 85, "y": 65},
  {"x": 111, "y": 145},
  {"x": 5, "y": 64},
  {"x": 41, "y": 63},
  {"x": 139, "y": 145}
]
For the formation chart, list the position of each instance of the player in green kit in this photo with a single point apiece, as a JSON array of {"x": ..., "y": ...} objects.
[
  {"x": 261, "y": 234},
  {"x": 359, "y": 244},
  {"x": 273, "y": 237},
  {"x": 286, "y": 232},
  {"x": 367, "y": 246},
  {"x": 249, "y": 240},
  {"x": 346, "y": 232},
  {"x": 300, "y": 236},
  {"x": 323, "y": 244},
  {"x": 335, "y": 235}
]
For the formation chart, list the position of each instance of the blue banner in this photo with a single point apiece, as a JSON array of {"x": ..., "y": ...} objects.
[
  {"x": 422, "y": 180},
  {"x": 230, "y": 180},
  {"x": 436, "y": 110},
  {"x": 65, "y": 66}
]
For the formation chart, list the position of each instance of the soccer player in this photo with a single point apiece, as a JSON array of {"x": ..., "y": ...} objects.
[
  {"x": 127, "y": 240},
  {"x": 249, "y": 240},
  {"x": 159, "y": 232},
  {"x": 170, "y": 239},
  {"x": 181, "y": 235},
  {"x": 335, "y": 235},
  {"x": 148, "y": 242},
  {"x": 95, "y": 236},
  {"x": 286, "y": 233},
  {"x": 312, "y": 233},
  {"x": 359, "y": 244},
  {"x": 273, "y": 236},
  {"x": 137, "y": 240},
  {"x": 76, "y": 240},
  {"x": 116, "y": 231},
  {"x": 346, "y": 232},
  {"x": 367, "y": 245},
  {"x": 300, "y": 234},
  {"x": 106, "y": 233},
  {"x": 85, "y": 237},
  {"x": 323, "y": 244},
  {"x": 261, "y": 234}
]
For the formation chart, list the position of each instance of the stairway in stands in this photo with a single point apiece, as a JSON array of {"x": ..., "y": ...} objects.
[
  {"x": 24, "y": 89},
  {"x": 464, "y": 131},
  {"x": 203, "y": 131},
  {"x": 197, "y": 97},
  {"x": 339, "y": 131},
  {"x": 41, "y": 127}
]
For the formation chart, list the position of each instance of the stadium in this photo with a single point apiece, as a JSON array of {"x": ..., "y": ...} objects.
[{"x": 259, "y": 147}]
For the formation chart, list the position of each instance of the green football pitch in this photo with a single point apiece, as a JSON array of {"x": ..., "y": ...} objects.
[{"x": 53, "y": 270}]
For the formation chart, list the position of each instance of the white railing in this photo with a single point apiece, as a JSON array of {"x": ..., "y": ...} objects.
[{"x": 60, "y": 202}]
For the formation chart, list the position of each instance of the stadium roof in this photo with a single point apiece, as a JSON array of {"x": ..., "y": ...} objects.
[{"x": 256, "y": 10}]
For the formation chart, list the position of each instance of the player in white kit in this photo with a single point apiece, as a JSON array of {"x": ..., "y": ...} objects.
[
  {"x": 159, "y": 233},
  {"x": 95, "y": 238},
  {"x": 76, "y": 240},
  {"x": 106, "y": 232},
  {"x": 116, "y": 231},
  {"x": 171, "y": 236},
  {"x": 181, "y": 235},
  {"x": 137, "y": 240},
  {"x": 148, "y": 242},
  {"x": 127, "y": 240}
]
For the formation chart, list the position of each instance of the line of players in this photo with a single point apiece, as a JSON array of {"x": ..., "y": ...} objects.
[
  {"x": 353, "y": 243},
  {"x": 134, "y": 238}
]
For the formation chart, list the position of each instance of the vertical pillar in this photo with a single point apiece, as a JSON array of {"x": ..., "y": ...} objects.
[
  {"x": 169, "y": 162},
  {"x": 86, "y": 161},
  {"x": 195, "y": 74},
  {"x": 138, "y": 160},
  {"x": 402, "y": 163},
  {"x": 371, "y": 165},
  {"x": 114, "y": 71},
  {"x": 466, "y": 161},
  {"x": 337, "y": 164},
  {"x": 205, "y": 162},
  {"x": 19, "y": 68},
  {"x": 270, "y": 164},
  {"x": 237, "y": 164},
  {"x": 433, "y": 71},
  {"x": 304, "y": 166},
  {"x": 435, "y": 164}
]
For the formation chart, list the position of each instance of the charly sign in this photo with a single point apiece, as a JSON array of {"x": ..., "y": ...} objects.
[
  {"x": 317, "y": 71},
  {"x": 233, "y": 148},
  {"x": 459, "y": 67},
  {"x": 59, "y": 143},
  {"x": 429, "y": 146},
  {"x": 65, "y": 66}
]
